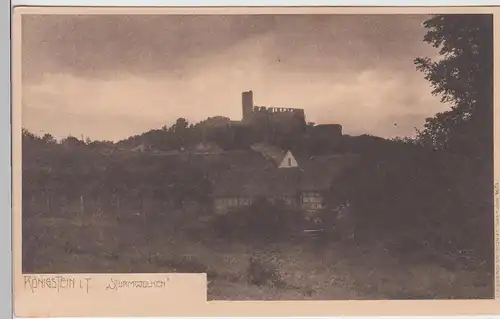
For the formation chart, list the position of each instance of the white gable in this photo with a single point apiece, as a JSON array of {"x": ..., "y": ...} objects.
[
  {"x": 288, "y": 161},
  {"x": 139, "y": 148}
]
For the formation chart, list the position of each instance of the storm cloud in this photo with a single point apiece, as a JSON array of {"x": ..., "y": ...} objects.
[{"x": 112, "y": 76}]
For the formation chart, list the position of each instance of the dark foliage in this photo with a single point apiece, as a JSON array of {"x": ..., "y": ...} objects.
[
  {"x": 464, "y": 79},
  {"x": 62, "y": 173},
  {"x": 262, "y": 272},
  {"x": 422, "y": 196},
  {"x": 420, "y": 201},
  {"x": 260, "y": 222}
]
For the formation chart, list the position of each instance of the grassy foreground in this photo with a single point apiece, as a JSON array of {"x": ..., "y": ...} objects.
[{"x": 100, "y": 244}]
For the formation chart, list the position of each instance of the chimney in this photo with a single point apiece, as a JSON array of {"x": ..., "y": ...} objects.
[{"x": 247, "y": 105}]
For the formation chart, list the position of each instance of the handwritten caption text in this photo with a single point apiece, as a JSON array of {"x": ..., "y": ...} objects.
[{"x": 60, "y": 283}]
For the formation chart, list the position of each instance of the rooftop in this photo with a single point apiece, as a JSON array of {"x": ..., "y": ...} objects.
[{"x": 315, "y": 174}]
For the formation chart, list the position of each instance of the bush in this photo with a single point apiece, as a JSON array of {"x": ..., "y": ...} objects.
[
  {"x": 261, "y": 271},
  {"x": 413, "y": 196},
  {"x": 262, "y": 221}
]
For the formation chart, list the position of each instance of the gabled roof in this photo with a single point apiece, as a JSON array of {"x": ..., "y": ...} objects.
[
  {"x": 271, "y": 152},
  {"x": 256, "y": 182},
  {"x": 139, "y": 148},
  {"x": 207, "y": 146},
  {"x": 320, "y": 171},
  {"x": 317, "y": 174},
  {"x": 288, "y": 161}
]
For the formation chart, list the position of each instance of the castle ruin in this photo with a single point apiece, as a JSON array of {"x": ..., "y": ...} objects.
[
  {"x": 253, "y": 113},
  {"x": 282, "y": 118}
]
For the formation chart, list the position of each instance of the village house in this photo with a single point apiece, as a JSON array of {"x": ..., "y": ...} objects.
[
  {"x": 275, "y": 155},
  {"x": 288, "y": 161},
  {"x": 297, "y": 184},
  {"x": 206, "y": 147},
  {"x": 141, "y": 148},
  {"x": 241, "y": 187}
]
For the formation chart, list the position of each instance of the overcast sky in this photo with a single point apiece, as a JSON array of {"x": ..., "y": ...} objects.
[{"x": 112, "y": 76}]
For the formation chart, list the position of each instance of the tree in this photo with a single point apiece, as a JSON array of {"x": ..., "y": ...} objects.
[
  {"x": 27, "y": 136},
  {"x": 180, "y": 131},
  {"x": 72, "y": 141},
  {"x": 464, "y": 79},
  {"x": 49, "y": 139},
  {"x": 260, "y": 222},
  {"x": 180, "y": 125}
]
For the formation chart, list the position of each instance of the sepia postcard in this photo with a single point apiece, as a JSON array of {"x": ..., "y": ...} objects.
[{"x": 250, "y": 161}]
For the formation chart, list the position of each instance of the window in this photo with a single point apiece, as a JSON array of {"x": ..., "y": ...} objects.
[{"x": 289, "y": 161}]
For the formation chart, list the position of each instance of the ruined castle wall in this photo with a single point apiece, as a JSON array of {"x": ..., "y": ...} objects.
[
  {"x": 328, "y": 130},
  {"x": 284, "y": 120}
]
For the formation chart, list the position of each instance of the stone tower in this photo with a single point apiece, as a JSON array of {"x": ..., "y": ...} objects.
[{"x": 247, "y": 105}]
